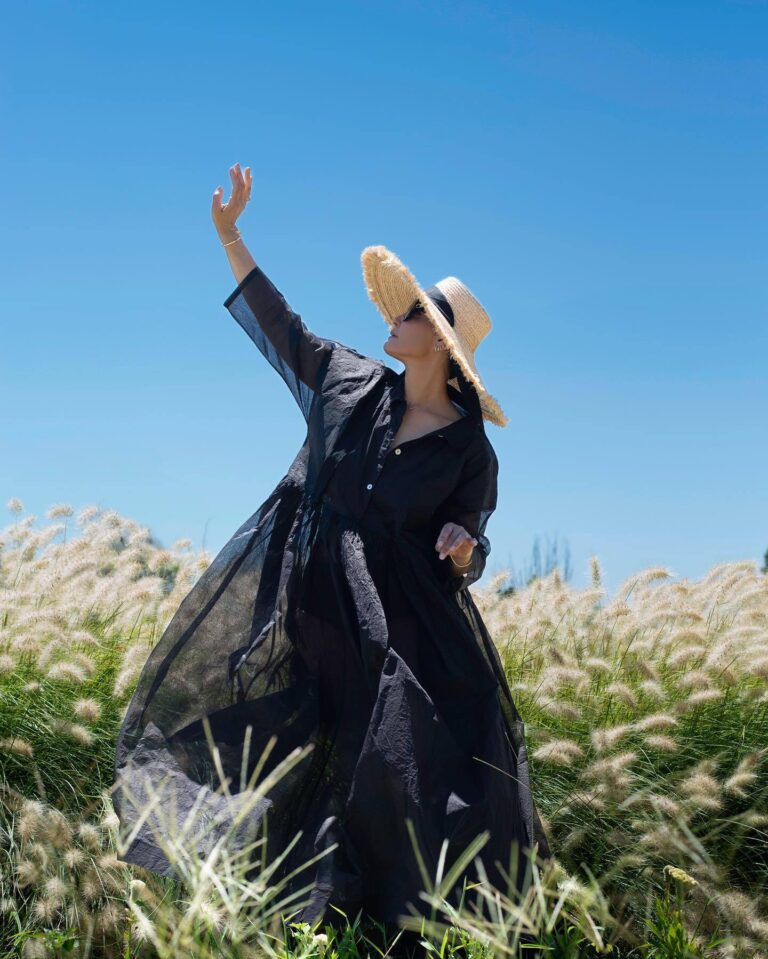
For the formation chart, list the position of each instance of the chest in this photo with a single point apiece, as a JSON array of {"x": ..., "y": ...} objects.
[
  {"x": 400, "y": 465},
  {"x": 413, "y": 425}
]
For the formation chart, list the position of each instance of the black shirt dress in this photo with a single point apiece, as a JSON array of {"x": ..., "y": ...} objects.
[{"x": 328, "y": 621}]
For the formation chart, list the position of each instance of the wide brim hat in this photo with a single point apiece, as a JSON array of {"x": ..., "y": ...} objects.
[{"x": 393, "y": 288}]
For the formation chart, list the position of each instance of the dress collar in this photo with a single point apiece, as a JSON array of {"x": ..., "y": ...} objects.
[{"x": 459, "y": 433}]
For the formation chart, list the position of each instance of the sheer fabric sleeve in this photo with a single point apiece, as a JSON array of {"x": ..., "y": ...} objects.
[
  {"x": 295, "y": 352},
  {"x": 470, "y": 505}
]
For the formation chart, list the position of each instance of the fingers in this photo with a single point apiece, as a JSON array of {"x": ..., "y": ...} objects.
[
  {"x": 237, "y": 183},
  {"x": 216, "y": 202},
  {"x": 442, "y": 537},
  {"x": 241, "y": 194},
  {"x": 448, "y": 546},
  {"x": 452, "y": 537},
  {"x": 242, "y": 183},
  {"x": 449, "y": 536},
  {"x": 241, "y": 187},
  {"x": 452, "y": 533}
]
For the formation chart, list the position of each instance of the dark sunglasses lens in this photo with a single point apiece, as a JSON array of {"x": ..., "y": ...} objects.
[{"x": 415, "y": 310}]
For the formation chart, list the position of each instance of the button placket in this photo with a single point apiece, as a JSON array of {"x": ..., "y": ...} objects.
[
  {"x": 385, "y": 443},
  {"x": 382, "y": 452}
]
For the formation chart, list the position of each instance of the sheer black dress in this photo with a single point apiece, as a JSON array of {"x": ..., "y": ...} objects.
[{"x": 328, "y": 619}]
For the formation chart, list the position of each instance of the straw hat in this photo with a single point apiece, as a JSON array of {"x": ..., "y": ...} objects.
[{"x": 452, "y": 309}]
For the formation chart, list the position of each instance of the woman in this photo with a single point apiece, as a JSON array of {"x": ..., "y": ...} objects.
[{"x": 338, "y": 617}]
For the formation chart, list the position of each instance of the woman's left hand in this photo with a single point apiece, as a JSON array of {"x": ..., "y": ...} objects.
[{"x": 455, "y": 541}]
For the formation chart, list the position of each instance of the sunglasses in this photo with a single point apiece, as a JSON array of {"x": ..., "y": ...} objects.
[{"x": 416, "y": 310}]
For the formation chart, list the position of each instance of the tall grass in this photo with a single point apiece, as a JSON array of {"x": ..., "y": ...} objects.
[{"x": 647, "y": 727}]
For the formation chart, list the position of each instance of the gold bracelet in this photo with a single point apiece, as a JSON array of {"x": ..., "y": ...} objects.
[
  {"x": 461, "y": 565},
  {"x": 238, "y": 237}
]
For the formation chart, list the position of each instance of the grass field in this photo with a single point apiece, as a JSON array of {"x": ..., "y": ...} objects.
[{"x": 647, "y": 727}]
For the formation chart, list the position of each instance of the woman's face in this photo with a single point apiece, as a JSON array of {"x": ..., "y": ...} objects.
[{"x": 412, "y": 336}]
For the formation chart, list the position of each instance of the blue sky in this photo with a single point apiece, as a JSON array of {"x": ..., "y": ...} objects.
[{"x": 594, "y": 172}]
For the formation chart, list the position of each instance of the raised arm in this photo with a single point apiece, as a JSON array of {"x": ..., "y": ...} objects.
[
  {"x": 279, "y": 333},
  {"x": 225, "y": 216},
  {"x": 262, "y": 310}
]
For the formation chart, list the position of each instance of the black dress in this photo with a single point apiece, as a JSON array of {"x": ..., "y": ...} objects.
[{"x": 329, "y": 619}]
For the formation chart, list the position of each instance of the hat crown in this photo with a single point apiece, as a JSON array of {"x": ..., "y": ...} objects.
[{"x": 470, "y": 320}]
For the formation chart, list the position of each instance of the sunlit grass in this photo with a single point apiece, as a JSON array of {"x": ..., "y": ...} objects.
[{"x": 647, "y": 728}]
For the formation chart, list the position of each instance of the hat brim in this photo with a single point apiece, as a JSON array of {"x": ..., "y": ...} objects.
[{"x": 393, "y": 288}]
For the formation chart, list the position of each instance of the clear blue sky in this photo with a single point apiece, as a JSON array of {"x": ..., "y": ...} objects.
[{"x": 595, "y": 173}]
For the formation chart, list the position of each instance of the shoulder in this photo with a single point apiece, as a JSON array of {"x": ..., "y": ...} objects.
[
  {"x": 480, "y": 451},
  {"x": 347, "y": 365},
  {"x": 348, "y": 381},
  {"x": 480, "y": 467},
  {"x": 350, "y": 351}
]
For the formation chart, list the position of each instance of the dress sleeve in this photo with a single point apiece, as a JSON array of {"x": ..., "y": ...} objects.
[
  {"x": 470, "y": 505},
  {"x": 295, "y": 352}
]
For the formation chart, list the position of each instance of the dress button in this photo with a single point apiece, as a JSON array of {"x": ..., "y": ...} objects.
[
  {"x": 397, "y": 451},
  {"x": 369, "y": 486}
]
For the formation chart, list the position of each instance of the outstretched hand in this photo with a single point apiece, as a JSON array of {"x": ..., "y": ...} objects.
[
  {"x": 456, "y": 542},
  {"x": 225, "y": 215}
]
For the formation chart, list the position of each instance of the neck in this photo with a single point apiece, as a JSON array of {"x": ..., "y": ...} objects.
[{"x": 425, "y": 388}]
